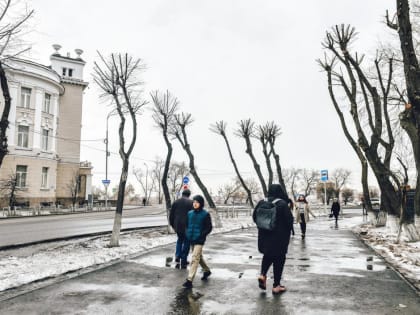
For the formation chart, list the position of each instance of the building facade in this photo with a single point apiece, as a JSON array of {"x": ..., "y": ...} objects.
[{"x": 45, "y": 131}]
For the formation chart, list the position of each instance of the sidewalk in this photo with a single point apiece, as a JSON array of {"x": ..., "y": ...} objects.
[{"x": 330, "y": 272}]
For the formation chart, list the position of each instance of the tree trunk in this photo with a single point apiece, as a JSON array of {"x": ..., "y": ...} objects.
[
  {"x": 256, "y": 165},
  {"x": 212, "y": 206},
  {"x": 365, "y": 184},
  {"x": 245, "y": 187},
  {"x": 278, "y": 168},
  {"x": 267, "y": 162},
  {"x": 165, "y": 174},
  {"x": 410, "y": 118},
  {"x": 115, "y": 238},
  {"x": 4, "y": 122}
]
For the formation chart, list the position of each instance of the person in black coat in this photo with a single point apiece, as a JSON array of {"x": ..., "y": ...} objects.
[
  {"x": 273, "y": 244},
  {"x": 335, "y": 209},
  {"x": 178, "y": 221}
]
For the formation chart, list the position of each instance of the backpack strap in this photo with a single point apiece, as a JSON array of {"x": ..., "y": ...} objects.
[{"x": 274, "y": 201}]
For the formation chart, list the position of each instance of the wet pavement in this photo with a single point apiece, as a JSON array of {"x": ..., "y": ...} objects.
[{"x": 330, "y": 272}]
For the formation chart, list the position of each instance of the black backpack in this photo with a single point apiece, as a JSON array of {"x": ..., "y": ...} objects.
[{"x": 266, "y": 214}]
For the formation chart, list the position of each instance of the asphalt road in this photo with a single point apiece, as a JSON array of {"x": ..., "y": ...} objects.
[
  {"x": 35, "y": 229},
  {"x": 330, "y": 272}
]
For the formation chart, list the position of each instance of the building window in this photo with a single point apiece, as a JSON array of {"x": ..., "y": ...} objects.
[
  {"x": 44, "y": 177},
  {"x": 64, "y": 72},
  {"x": 25, "y": 97},
  {"x": 44, "y": 139},
  {"x": 47, "y": 103},
  {"x": 23, "y": 136},
  {"x": 21, "y": 173},
  {"x": 70, "y": 72}
]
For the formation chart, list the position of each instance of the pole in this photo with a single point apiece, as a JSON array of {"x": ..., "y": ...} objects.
[
  {"x": 106, "y": 163},
  {"x": 147, "y": 175},
  {"x": 325, "y": 197}
]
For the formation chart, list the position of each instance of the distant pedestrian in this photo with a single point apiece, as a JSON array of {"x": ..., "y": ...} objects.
[
  {"x": 363, "y": 204},
  {"x": 178, "y": 221},
  {"x": 335, "y": 209},
  {"x": 302, "y": 212},
  {"x": 273, "y": 243},
  {"x": 144, "y": 202},
  {"x": 198, "y": 227}
]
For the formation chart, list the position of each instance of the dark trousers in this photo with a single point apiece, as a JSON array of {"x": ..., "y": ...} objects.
[
  {"x": 278, "y": 265},
  {"x": 335, "y": 213},
  {"x": 302, "y": 223},
  {"x": 182, "y": 248}
]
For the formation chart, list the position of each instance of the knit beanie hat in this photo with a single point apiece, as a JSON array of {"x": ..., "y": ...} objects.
[{"x": 199, "y": 199}]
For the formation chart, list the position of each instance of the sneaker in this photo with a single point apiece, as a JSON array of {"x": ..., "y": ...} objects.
[
  {"x": 187, "y": 284},
  {"x": 206, "y": 275},
  {"x": 278, "y": 289},
  {"x": 262, "y": 282}
]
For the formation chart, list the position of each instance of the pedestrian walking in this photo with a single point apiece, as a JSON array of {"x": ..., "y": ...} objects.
[
  {"x": 178, "y": 221},
  {"x": 363, "y": 204},
  {"x": 302, "y": 212},
  {"x": 144, "y": 202},
  {"x": 335, "y": 209},
  {"x": 198, "y": 227},
  {"x": 273, "y": 243}
]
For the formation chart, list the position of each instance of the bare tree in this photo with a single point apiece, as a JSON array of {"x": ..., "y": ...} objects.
[
  {"x": 157, "y": 174},
  {"x": 117, "y": 78},
  {"x": 147, "y": 182},
  {"x": 325, "y": 191},
  {"x": 340, "y": 177},
  {"x": 177, "y": 171},
  {"x": 361, "y": 90},
  {"x": 309, "y": 179},
  {"x": 165, "y": 107},
  {"x": 227, "y": 191},
  {"x": 246, "y": 130},
  {"x": 263, "y": 133},
  {"x": 220, "y": 128},
  {"x": 291, "y": 178},
  {"x": 73, "y": 188},
  {"x": 10, "y": 188},
  {"x": 11, "y": 27},
  {"x": 347, "y": 194},
  {"x": 410, "y": 117},
  {"x": 182, "y": 121}
]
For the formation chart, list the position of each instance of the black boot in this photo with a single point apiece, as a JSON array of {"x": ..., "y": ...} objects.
[{"x": 206, "y": 275}]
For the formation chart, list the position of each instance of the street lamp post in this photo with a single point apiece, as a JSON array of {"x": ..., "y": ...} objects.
[
  {"x": 106, "y": 182},
  {"x": 147, "y": 175}
]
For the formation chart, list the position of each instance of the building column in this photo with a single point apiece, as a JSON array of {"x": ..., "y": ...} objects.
[
  {"x": 11, "y": 131},
  {"x": 54, "y": 112},
  {"x": 39, "y": 98}
]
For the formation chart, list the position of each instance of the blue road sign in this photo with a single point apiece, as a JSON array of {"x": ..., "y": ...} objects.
[
  {"x": 106, "y": 181},
  {"x": 324, "y": 175},
  {"x": 185, "y": 180}
]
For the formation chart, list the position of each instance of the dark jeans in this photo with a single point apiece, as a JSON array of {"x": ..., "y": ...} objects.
[
  {"x": 278, "y": 264},
  {"x": 335, "y": 213},
  {"x": 182, "y": 248},
  {"x": 302, "y": 223}
]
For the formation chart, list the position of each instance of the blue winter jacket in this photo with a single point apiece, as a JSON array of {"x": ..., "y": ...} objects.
[{"x": 198, "y": 226}]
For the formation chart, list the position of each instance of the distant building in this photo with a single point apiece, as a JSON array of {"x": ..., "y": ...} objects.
[{"x": 45, "y": 130}]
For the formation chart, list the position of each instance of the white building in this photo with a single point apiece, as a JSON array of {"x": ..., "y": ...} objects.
[{"x": 45, "y": 129}]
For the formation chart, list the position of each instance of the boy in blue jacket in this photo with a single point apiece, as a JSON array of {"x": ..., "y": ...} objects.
[{"x": 198, "y": 227}]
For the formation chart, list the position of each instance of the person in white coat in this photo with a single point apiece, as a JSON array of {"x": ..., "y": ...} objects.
[{"x": 302, "y": 212}]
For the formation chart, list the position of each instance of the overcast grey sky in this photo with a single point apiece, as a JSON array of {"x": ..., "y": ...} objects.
[{"x": 222, "y": 59}]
